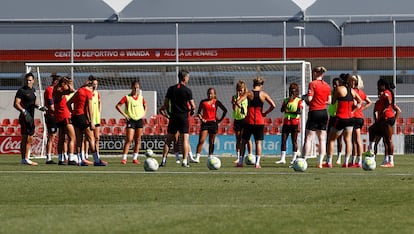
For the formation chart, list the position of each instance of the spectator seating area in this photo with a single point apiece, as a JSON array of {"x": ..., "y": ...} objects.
[{"x": 157, "y": 125}]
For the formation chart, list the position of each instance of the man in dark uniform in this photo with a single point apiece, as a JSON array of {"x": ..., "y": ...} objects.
[
  {"x": 179, "y": 100},
  {"x": 25, "y": 103}
]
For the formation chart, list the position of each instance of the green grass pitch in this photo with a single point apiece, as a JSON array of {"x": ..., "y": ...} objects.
[{"x": 274, "y": 199}]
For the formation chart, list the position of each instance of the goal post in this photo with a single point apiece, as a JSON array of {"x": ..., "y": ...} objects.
[{"x": 155, "y": 77}]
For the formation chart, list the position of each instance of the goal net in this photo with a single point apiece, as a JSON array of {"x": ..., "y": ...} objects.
[{"x": 155, "y": 78}]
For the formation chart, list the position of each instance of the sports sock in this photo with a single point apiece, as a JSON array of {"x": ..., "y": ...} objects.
[
  {"x": 328, "y": 159},
  {"x": 283, "y": 156},
  {"x": 177, "y": 156},
  {"x": 258, "y": 159},
  {"x": 134, "y": 156},
  {"x": 391, "y": 159},
  {"x": 124, "y": 157},
  {"x": 48, "y": 157},
  {"x": 96, "y": 157},
  {"x": 320, "y": 159}
]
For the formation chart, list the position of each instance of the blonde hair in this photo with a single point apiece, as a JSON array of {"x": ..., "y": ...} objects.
[
  {"x": 258, "y": 81},
  {"x": 241, "y": 85},
  {"x": 360, "y": 82}
]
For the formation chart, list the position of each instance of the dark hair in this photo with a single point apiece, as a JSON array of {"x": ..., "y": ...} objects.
[
  {"x": 135, "y": 82},
  {"x": 92, "y": 78},
  {"x": 182, "y": 74},
  {"x": 294, "y": 89},
  {"x": 319, "y": 69},
  {"x": 388, "y": 86},
  {"x": 28, "y": 75}
]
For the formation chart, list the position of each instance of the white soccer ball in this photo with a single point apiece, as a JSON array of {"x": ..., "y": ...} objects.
[
  {"x": 369, "y": 164},
  {"x": 250, "y": 159},
  {"x": 151, "y": 164},
  {"x": 213, "y": 163},
  {"x": 300, "y": 164},
  {"x": 149, "y": 153}
]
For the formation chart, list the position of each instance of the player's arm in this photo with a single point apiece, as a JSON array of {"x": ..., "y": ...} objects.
[
  {"x": 199, "y": 112},
  {"x": 224, "y": 110},
  {"x": 91, "y": 113},
  {"x": 271, "y": 103},
  {"x": 18, "y": 104},
  {"x": 119, "y": 109},
  {"x": 164, "y": 108}
]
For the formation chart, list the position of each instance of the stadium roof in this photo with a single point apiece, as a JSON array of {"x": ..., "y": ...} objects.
[{"x": 196, "y": 10}]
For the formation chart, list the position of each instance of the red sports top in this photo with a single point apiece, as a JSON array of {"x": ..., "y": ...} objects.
[
  {"x": 358, "y": 113},
  {"x": 209, "y": 109},
  {"x": 320, "y": 91},
  {"x": 48, "y": 97},
  {"x": 345, "y": 104},
  {"x": 61, "y": 109},
  {"x": 254, "y": 110},
  {"x": 80, "y": 101},
  {"x": 383, "y": 106}
]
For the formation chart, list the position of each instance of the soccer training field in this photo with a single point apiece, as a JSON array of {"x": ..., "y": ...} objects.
[{"x": 274, "y": 199}]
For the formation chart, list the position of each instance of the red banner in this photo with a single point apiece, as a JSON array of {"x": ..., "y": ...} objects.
[
  {"x": 202, "y": 54},
  {"x": 11, "y": 145}
]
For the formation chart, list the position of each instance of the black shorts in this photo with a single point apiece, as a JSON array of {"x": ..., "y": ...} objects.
[
  {"x": 178, "y": 123},
  {"x": 358, "y": 123},
  {"x": 239, "y": 125},
  {"x": 317, "y": 120},
  {"x": 51, "y": 124},
  {"x": 341, "y": 124},
  {"x": 210, "y": 126},
  {"x": 80, "y": 122},
  {"x": 256, "y": 130},
  {"x": 290, "y": 128},
  {"x": 135, "y": 124},
  {"x": 63, "y": 123},
  {"x": 25, "y": 127},
  {"x": 331, "y": 121}
]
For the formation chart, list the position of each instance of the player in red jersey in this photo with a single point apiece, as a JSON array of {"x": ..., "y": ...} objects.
[
  {"x": 358, "y": 85},
  {"x": 135, "y": 110},
  {"x": 50, "y": 118},
  {"x": 344, "y": 123},
  {"x": 385, "y": 114},
  {"x": 82, "y": 114},
  {"x": 255, "y": 118},
  {"x": 318, "y": 97},
  {"x": 63, "y": 120},
  {"x": 207, "y": 112}
]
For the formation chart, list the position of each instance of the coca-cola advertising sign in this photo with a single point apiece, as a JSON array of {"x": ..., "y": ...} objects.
[{"x": 11, "y": 145}]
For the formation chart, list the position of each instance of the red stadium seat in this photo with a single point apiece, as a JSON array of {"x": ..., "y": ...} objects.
[
  {"x": 117, "y": 130},
  {"x": 111, "y": 122},
  {"x": 148, "y": 131},
  {"x": 106, "y": 131},
  {"x": 278, "y": 121},
  {"x": 408, "y": 130},
  {"x": 274, "y": 130},
  {"x": 15, "y": 122},
  {"x": 103, "y": 122},
  {"x": 268, "y": 121},
  {"x": 410, "y": 121},
  {"x": 6, "y": 122},
  {"x": 122, "y": 122},
  {"x": 2, "y": 132},
  {"x": 10, "y": 131}
]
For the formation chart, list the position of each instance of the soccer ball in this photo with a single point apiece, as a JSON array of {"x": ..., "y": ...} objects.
[
  {"x": 250, "y": 159},
  {"x": 149, "y": 153},
  {"x": 300, "y": 164},
  {"x": 213, "y": 163},
  {"x": 369, "y": 164},
  {"x": 151, "y": 164}
]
